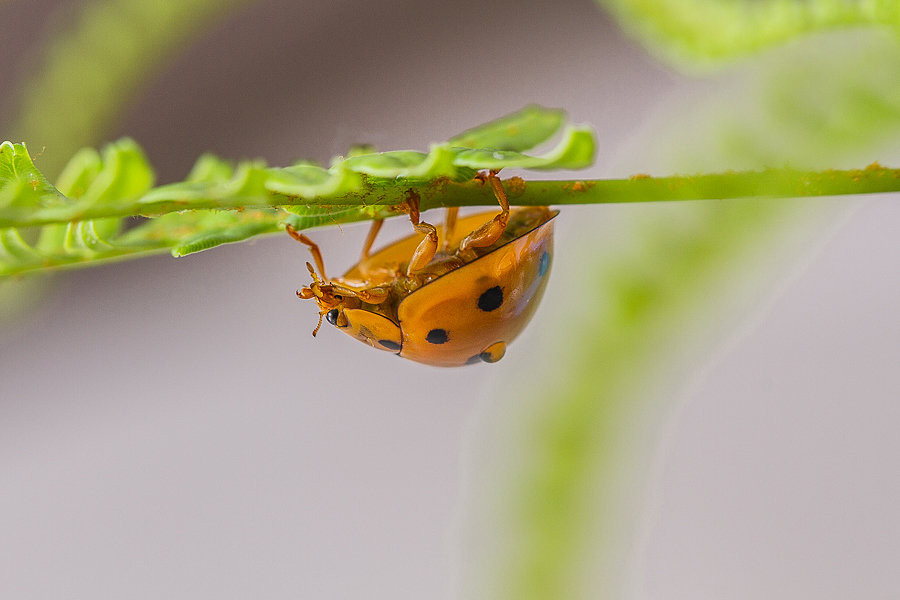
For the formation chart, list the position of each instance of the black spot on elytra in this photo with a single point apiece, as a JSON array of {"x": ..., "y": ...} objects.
[
  {"x": 491, "y": 299},
  {"x": 331, "y": 316},
  {"x": 545, "y": 263},
  {"x": 437, "y": 336},
  {"x": 389, "y": 344}
]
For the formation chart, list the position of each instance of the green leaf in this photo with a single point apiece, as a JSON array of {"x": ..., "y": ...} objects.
[
  {"x": 124, "y": 177},
  {"x": 311, "y": 182},
  {"x": 22, "y": 186},
  {"x": 14, "y": 249},
  {"x": 111, "y": 184},
  {"x": 79, "y": 172},
  {"x": 574, "y": 151},
  {"x": 518, "y": 131},
  {"x": 91, "y": 237},
  {"x": 306, "y": 217},
  {"x": 217, "y": 187},
  {"x": 407, "y": 164},
  {"x": 117, "y": 181},
  {"x": 216, "y": 228},
  {"x": 84, "y": 221}
]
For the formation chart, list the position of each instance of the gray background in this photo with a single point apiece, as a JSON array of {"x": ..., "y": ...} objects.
[{"x": 170, "y": 429}]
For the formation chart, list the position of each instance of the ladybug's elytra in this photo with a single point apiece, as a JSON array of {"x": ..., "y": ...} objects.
[{"x": 447, "y": 296}]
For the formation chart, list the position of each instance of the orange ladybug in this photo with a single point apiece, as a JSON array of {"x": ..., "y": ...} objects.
[{"x": 449, "y": 296}]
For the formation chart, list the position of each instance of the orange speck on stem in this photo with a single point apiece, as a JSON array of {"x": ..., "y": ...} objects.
[
  {"x": 439, "y": 185},
  {"x": 578, "y": 186},
  {"x": 515, "y": 186},
  {"x": 639, "y": 176}
]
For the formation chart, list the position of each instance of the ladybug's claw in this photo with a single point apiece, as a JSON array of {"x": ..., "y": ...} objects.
[
  {"x": 427, "y": 248},
  {"x": 491, "y": 231}
]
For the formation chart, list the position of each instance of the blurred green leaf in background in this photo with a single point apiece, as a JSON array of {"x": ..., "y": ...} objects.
[
  {"x": 96, "y": 64},
  {"x": 567, "y": 513}
]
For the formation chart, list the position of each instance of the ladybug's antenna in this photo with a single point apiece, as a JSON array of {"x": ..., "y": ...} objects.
[
  {"x": 319, "y": 324},
  {"x": 312, "y": 272},
  {"x": 312, "y": 292}
]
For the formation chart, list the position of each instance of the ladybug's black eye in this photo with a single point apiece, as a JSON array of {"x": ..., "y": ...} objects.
[{"x": 331, "y": 316}]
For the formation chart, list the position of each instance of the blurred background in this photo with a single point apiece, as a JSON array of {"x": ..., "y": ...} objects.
[{"x": 705, "y": 406}]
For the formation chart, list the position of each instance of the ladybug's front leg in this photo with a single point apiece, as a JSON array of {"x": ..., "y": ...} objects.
[
  {"x": 313, "y": 249},
  {"x": 491, "y": 231},
  {"x": 427, "y": 248}
]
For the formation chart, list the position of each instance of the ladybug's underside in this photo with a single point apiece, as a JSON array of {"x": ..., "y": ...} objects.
[
  {"x": 446, "y": 296},
  {"x": 455, "y": 311}
]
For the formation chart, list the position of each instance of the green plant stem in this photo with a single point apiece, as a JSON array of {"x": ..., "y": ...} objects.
[{"x": 769, "y": 183}]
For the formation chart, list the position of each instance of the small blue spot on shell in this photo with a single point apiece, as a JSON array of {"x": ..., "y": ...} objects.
[{"x": 545, "y": 263}]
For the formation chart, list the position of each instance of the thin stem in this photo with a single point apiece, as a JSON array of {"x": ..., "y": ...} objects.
[{"x": 769, "y": 183}]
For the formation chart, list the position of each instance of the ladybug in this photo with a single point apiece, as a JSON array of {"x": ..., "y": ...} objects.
[{"x": 448, "y": 296}]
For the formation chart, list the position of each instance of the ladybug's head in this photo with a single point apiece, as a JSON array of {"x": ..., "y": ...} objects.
[
  {"x": 336, "y": 299},
  {"x": 330, "y": 298}
]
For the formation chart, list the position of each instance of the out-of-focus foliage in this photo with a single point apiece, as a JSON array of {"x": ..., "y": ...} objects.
[
  {"x": 695, "y": 34},
  {"x": 848, "y": 111},
  {"x": 94, "y": 66},
  {"x": 823, "y": 99}
]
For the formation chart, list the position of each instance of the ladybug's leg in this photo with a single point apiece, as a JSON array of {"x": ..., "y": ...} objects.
[
  {"x": 373, "y": 295},
  {"x": 313, "y": 249},
  {"x": 491, "y": 231},
  {"x": 449, "y": 226},
  {"x": 370, "y": 239},
  {"x": 428, "y": 246}
]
